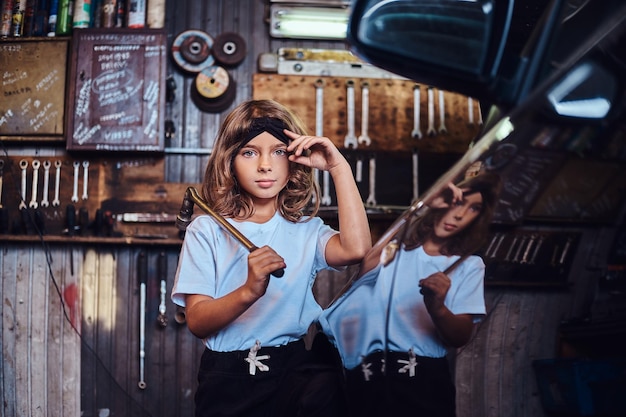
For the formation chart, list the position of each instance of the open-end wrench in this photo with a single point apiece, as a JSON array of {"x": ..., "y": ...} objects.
[
  {"x": 319, "y": 122},
  {"x": 565, "y": 250},
  {"x": 470, "y": 110},
  {"x": 371, "y": 198},
  {"x": 442, "y": 112},
  {"x": 85, "y": 179},
  {"x": 326, "y": 200},
  {"x": 431, "y": 112},
  {"x": 507, "y": 258},
  {"x": 162, "y": 272},
  {"x": 497, "y": 248},
  {"x": 480, "y": 115},
  {"x": 365, "y": 109},
  {"x": 35, "y": 188},
  {"x": 519, "y": 250},
  {"x": 75, "y": 193},
  {"x": 416, "y": 133},
  {"x": 491, "y": 244},
  {"x": 46, "y": 182},
  {"x": 56, "y": 202},
  {"x": 358, "y": 175},
  {"x": 23, "y": 166},
  {"x": 537, "y": 247},
  {"x": 350, "y": 141},
  {"x": 525, "y": 259},
  {"x": 142, "y": 272}
]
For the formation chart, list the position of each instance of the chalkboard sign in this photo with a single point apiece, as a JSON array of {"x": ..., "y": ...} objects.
[
  {"x": 117, "y": 92},
  {"x": 525, "y": 173},
  {"x": 32, "y": 103}
]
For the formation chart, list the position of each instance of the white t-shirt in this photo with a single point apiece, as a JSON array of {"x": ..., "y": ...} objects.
[
  {"x": 213, "y": 263},
  {"x": 357, "y": 322}
]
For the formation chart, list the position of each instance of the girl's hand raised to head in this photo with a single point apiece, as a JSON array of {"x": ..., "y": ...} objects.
[
  {"x": 314, "y": 151},
  {"x": 443, "y": 200}
]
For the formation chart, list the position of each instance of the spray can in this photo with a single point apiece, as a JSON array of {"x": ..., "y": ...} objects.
[
  {"x": 120, "y": 15},
  {"x": 82, "y": 14},
  {"x": 17, "y": 20},
  {"x": 65, "y": 17},
  {"x": 53, "y": 17},
  {"x": 136, "y": 15}
]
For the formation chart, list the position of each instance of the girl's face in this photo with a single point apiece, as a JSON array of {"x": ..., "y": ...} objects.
[
  {"x": 262, "y": 167},
  {"x": 460, "y": 215}
]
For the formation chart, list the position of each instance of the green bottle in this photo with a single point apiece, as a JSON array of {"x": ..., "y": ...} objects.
[{"x": 65, "y": 17}]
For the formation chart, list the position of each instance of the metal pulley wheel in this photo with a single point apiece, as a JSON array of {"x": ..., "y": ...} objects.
[
  {"x": 229, "y": 49},
  {"x": 213, "y": 90},
  {"x": 191, "y": 50}
]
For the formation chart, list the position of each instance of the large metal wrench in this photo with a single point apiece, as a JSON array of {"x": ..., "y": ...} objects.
[
  {"x": 431, "y": 112},
  {"x": 350, "y": 141},
  {"x": 319, "y": 131},
  {"x": 56, "y": 202},
  {"x": 85, "y": 179},
  {"x": 75, "y": 193},
  {"x": 416, "y": 133},
  {"x": 442, "y": 112},
  {"x": 46, "y": 182},
  {"x": 23, "y": 166},
  {"x": 162, "y": 272},
  {"x": 371, "y": 198},
  {"x": 142, "y": 272},
  {"x": 319, "y": 122},
  {"x": 35, "y": 185},
  {"x": 365, "y": 109}
]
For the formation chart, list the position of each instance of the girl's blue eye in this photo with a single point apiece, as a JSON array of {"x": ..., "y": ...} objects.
[
  {"x": 247, "y": 152},
  {"x": 281, "y": 152}
]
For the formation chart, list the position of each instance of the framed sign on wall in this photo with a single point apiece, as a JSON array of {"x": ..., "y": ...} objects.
[
  {"x": 32, "y": 91},
  {"x": 116, "y": 90}
]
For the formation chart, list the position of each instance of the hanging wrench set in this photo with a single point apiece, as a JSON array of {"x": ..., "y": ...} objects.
[
  {"x": 530, "y": 257},
  {"x": 49, "y": 195}
]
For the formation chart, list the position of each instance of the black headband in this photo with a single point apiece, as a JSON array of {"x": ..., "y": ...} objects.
[{"x": 270, "y": 125}]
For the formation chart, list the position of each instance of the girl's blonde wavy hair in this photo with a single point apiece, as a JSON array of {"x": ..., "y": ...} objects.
[{"x": 220, "y": 188}]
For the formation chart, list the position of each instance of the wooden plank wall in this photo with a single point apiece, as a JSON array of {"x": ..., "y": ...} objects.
[{"x": 40, "y": 372}]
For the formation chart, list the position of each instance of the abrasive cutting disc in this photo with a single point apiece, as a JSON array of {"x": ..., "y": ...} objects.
[
  {"x": 213, "y": 90},
  {"x": 191, "y": 50},
  {"x": 229, "y": 49}
]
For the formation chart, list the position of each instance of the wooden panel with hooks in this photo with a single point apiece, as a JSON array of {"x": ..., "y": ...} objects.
[{"x": 390, "y": 114}]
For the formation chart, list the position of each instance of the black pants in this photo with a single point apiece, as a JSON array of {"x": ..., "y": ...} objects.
[
  {"x": 381, "y": 390},
  {"x": 299, "y": 382}
]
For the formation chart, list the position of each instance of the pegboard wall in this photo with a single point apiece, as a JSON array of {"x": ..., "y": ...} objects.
[{"x": 391, "y": 112}]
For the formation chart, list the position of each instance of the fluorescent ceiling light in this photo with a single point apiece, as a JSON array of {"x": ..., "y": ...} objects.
[{"x": 308, "y": 22}]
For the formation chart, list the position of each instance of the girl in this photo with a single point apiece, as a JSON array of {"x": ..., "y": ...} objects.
[
  {"x": 260, "y": 177},
  {"x": 422, "y": 299}
]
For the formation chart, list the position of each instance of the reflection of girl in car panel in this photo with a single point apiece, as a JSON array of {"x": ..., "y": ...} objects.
[{"x": 436, "y": 297}]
